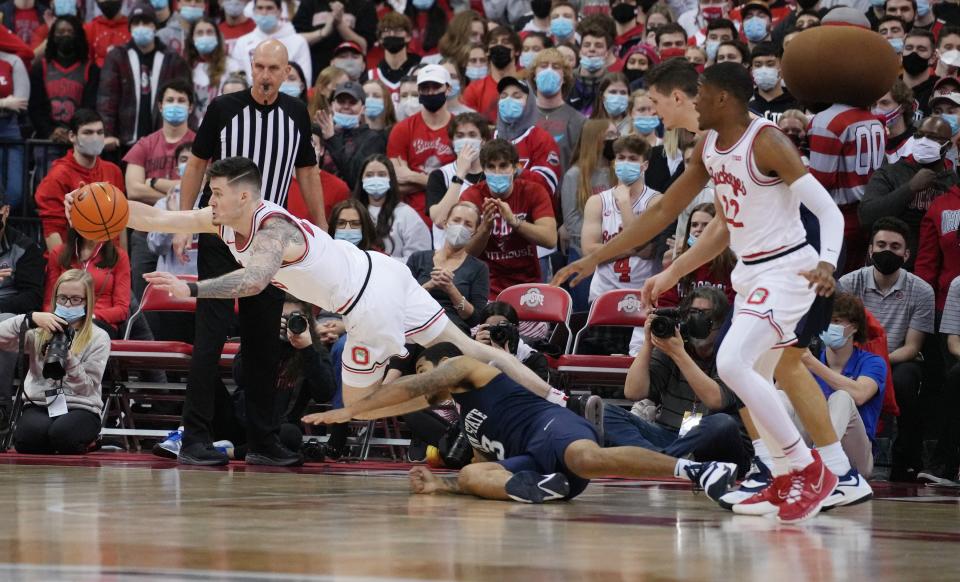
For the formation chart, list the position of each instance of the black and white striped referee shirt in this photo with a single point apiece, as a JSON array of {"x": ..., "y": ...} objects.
[{"x": 276, "y": 137}]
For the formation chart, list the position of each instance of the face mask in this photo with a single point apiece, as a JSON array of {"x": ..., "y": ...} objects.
[
  {"x": 548, "y": 82},
  {"x": 711, "y": 13},
  {"x": 174, "y": 113},
  {"x": 527, "y": 58},
  {"x": 70, "y": 313},
  {"x": 266, "y": 22},
  {"x": 500, "y": 56},
  {"x": 608, "y": 152},
  {"x": 541, "y": 8},
  {"x": 925, "y": 150},
  {"x": 499, "y": 183},
  {"x": 633, "y": 75},
  {"x": 290, "y": 88},
  {"x": 646, "y": 124},
  {"x": 66, "y": 46},
  {"x": 393, "y": 44},
  {"x": 142, "y": 35},
  {"x": 205, "y": 44},
  {"x": 454, "y": 89},
  {"x": 433, "y": 103},
  {"x": 374, "y": 107},
  {"x": 923, "y": 7},
  {"x": 459, "y": 143},
  {"x": 110, "y": 8},
  {"x": 510, "y": 109},
  {"x": 834, "y": 336},
  {"x": 624, "y": 13},
  {"x": 65, "y": 7},
  {"x": 592, "y": 64},
  {"x": 914, "y": 64},
  {"x": 423, "y": 4},
  {"x": 887, "y": 262},
  {"x": 345, "y": 120},
  {"x": 376, "y": 186},
  {"x": 182, "y": 169},
  {"x": 476, "y": 73},
  {"x": 711, "y": 48},
  {"x": 352, "y": 67},
  {"x": 755, "y": 28},
  {"x": 457, "y": 235},
  {"x": 159, "y": 4},
  {"x": 888, "y": 117},
  {"x": 691, "y": 240},
  {"x": 628, "y": 172},
  {"x": 897, "y": 44},
  {"x": 351, "y": 235},
  {"x": 766, "y": 78},
  {"x": 408, "y": 107},
  {"x": 191, "y": 13},
  {"x": 954, "y": 122},
  {"x": 877, "y": 3},
  {"x": 233, "y": 8},
  {"x": 615, "y": 104},
  {"x": 91, "y": 146},
  {"x": 561, "y": 27}
]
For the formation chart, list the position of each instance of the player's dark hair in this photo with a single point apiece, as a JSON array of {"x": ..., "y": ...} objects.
[
  {"x": 733, "y": 78},
  {"x": 84, "y": 117},
  {"x": 850, "y": 307},
  {"x": 499, "y": 308},
  {"x": 180, "y": 85},
  {"x": 765, "y": 49},
  {"x": 471, "y": 118},
  {"x": 715, "y": 296},
  {"x": 672, "y": 75},
  {"x": 390, "y": 201},
  {"x": 236, "y": 170},
  {"x": 890, "y": 224},
  {"x": 439, "y": 351},
  {"x": 634, "y": 144},
  {"x": 498, "y": 150},
  {"x": 722, "y": 24}
]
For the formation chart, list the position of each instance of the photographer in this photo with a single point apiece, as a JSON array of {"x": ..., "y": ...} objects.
[
  {"x": 696, "y": 412},
  {"x": 67, "y": 355},
  {"x": 500, "y": 329}
]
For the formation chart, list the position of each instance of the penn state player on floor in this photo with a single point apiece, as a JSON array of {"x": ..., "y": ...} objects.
[
  {"x": 760, "y": 185},
  {"x": 543, "y": 452},
  {"x": 383, "y": 306}
]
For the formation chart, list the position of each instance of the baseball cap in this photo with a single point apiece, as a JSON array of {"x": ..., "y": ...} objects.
[
  {"x": 756, "y": 4},
  {"x": 143, "y": 12},
  {"x": 350, "y": 88},
  {"x": 946, "y": 80},
  {"x": 433, "y": 74},
  {"x": 347, "y": 46},
  {"x": 952, "y": 98},
  {"x": 510, "y": 82}
]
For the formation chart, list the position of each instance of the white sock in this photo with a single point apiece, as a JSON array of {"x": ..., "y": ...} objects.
[
  {"x": 778, "y": 461},
  {"x": 835, "y": 459},
  {"x": 761, "y": 451},
  {"x": 557, "y": 397},
  {"x": 678, "y": 468}
]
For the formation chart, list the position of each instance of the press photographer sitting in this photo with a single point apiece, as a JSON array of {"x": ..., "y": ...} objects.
[
  {"x": 676, "y": 368},
  {"x": 67, "y": 355},
  {"x": 501, "y": 329}
]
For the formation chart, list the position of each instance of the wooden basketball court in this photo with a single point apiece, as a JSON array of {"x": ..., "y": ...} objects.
[{"x": 125, "y": 516}]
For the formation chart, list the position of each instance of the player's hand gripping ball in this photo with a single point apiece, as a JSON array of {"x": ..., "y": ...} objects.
[{"x": 98, "y": 211}]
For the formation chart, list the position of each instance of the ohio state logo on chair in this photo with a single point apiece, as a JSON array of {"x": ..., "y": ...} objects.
[{"x": 539, "y": 302}]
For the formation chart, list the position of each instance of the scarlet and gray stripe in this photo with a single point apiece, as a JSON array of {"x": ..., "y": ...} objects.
[{"x": 271, "y": 140}]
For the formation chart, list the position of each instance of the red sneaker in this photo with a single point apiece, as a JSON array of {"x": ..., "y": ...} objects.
[
  {"x": 767, "y": 500},
  {"x": 809, "y": 488}
]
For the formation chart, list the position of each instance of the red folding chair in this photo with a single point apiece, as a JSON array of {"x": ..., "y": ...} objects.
[
  {"x": 617, "y": 308},
  {"x": 545, "y": 303}
]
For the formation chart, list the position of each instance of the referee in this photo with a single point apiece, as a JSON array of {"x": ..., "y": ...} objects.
[{"x": 272, "y": 130}]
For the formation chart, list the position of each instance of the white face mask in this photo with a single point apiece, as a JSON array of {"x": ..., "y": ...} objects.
[
  {"x": 925, "y": 150},
  {"x": 457, "y": 235},
  {"x": 90, "y": 146},
  {"x": 408, "y": 107}
]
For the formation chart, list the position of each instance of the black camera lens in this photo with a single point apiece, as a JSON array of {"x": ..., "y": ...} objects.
[
  {"x": 58, "y": 350},
  {"x": 297, "y": 323}
]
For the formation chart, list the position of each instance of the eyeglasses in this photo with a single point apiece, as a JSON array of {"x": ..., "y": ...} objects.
[
  {"x": 70, "y": 300},
  {"x": 349, "y": 224}
]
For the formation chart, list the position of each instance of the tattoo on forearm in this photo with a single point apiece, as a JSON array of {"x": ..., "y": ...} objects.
[
  {"x": 266, "y": 257},
  {"x": 450, "y": 484},
  {"x": 447, "y": 375}
]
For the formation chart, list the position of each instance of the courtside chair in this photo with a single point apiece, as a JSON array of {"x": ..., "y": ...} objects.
[{"x": 544, "y": 303}]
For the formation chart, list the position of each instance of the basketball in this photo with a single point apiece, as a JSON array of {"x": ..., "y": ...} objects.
[
  {"x": 839, "y": 64},
  {"x": 99, "y": 211}
]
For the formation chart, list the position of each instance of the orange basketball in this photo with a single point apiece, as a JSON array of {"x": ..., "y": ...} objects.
[{"x": 99, "y": 211}]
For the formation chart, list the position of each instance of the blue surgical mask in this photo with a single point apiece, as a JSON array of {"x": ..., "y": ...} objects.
[
  {"x": 191, "y": 13},
  {"x": 615, "y": 103},
  {"x": 174, "y": 113},
  {"x": 954, "y": 122},
  {"x": 454, "y": 91},
  {"x": 527, "y": 58},
  {"x": 646, "y": 124},
  {"x": 291, "y": 88},
  {"x": 266, "y": 22},
  {"x": 923, "y": 7},
  {"x": 423, "y": 4},
  {"x": 351, "y": 235},
  {"x": 70, "y": 313},
  {"x": 834, "y": 337},
  {"x": 499, "y": 183},
  {"x": 182, "y": 169},
  {"x": 878, "y": 3},
  {"x": 766, "y": 78},
  {"x": 711, "y": 49},
  {"x": 549, "y": 82},
  {"x": 897, "y": 44},
  {"x": 159, "y": 4},
  {"x": 476, "y": 73},
  {"x": 374, "y": 107},
  {"x": 628, "y": 172},
  {"x": 592, "y": 64},
  {"x": 142, "y": 35},
  {"x": 346, "y": 121},
  {"x": 510, "y": 109},
  {"x": 691, "y": 240},
  {"x": 755, "y": 28},
  {"x": 65, "y": 7},
  {"x": 462, "y": 141},
  {"x": 561, "y": 27},
  {"x": 205, "y": 44},
  {"x": 376, "y": 186}
]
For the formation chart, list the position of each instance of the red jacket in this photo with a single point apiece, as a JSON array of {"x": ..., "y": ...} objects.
[
  {"x": 66, "y": 175},
  {"x": 938, "y": 255},
  {"x": 110, "y": 285},
  {"x": 334, "y": 190},
  {"x": 11, "y": 43},
  {"x": 877, "y": 344}
]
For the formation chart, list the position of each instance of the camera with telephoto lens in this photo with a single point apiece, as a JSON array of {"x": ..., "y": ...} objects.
[
  {"x": 504, "y": 334},
  {"x": 693, "y": 324},
  {"x": 297, "y": 323},
  {"x": 455, "y": 449},
  {"x": 55, "y": 362}
]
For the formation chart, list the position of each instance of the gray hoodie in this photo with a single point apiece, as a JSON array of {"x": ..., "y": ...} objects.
[{"x": 511, "y": 131}]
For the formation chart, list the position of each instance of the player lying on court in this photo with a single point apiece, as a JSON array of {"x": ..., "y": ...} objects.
[
  {"x": 543, "y": 452},
  {"x": 382, "y": 305}
]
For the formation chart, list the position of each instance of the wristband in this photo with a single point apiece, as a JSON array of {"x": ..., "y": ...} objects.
[
  {"x": 557, "y": 397},
  {"x": 457, "y": 180},
  {"x": 194, "y": 290}
]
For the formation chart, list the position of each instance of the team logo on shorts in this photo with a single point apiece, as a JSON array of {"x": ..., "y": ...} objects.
[
  {"x": 629, "y": 304},
  {"x": 758, "y": 297},
  {"x": 532, "y": 299},
  {"x": 360, "y": 356}
]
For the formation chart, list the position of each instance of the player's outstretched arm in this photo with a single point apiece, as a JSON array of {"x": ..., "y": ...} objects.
[{"x": 146, "y": 218}]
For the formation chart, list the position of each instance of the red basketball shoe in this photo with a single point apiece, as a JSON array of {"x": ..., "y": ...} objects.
[{"x": 809, "y": 488}]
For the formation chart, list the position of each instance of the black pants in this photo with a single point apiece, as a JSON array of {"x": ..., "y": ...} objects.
[
  {"x": 947, "y": 452},
  {"x": 259, "y": 330},
  {"x": 908, "y": 448},
  {"x": 67, "y": 434}
]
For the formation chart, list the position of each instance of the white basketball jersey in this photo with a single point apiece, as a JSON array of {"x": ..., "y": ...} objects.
[
  {"x": 328, "y": 274},
  {"x": 763, "y": 214},
  {"x": 628, "y": 273}
]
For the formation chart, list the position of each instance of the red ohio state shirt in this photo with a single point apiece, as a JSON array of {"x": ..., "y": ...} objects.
[{"x": 424, "y": 150}]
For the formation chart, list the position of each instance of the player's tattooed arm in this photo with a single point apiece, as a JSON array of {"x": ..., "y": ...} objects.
[
  {"x": 447, "y": 375},
  {"x": 266, "y": 257}
]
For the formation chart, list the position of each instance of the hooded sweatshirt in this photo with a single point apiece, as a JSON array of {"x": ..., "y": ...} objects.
[
  {"x": 66, "y": 175},
  {"x": 297, "y": 48},
  {"x": 938, "y": 255},
  {"x": 538, "y": 151},
  {"x": 103, "y": 35}
]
